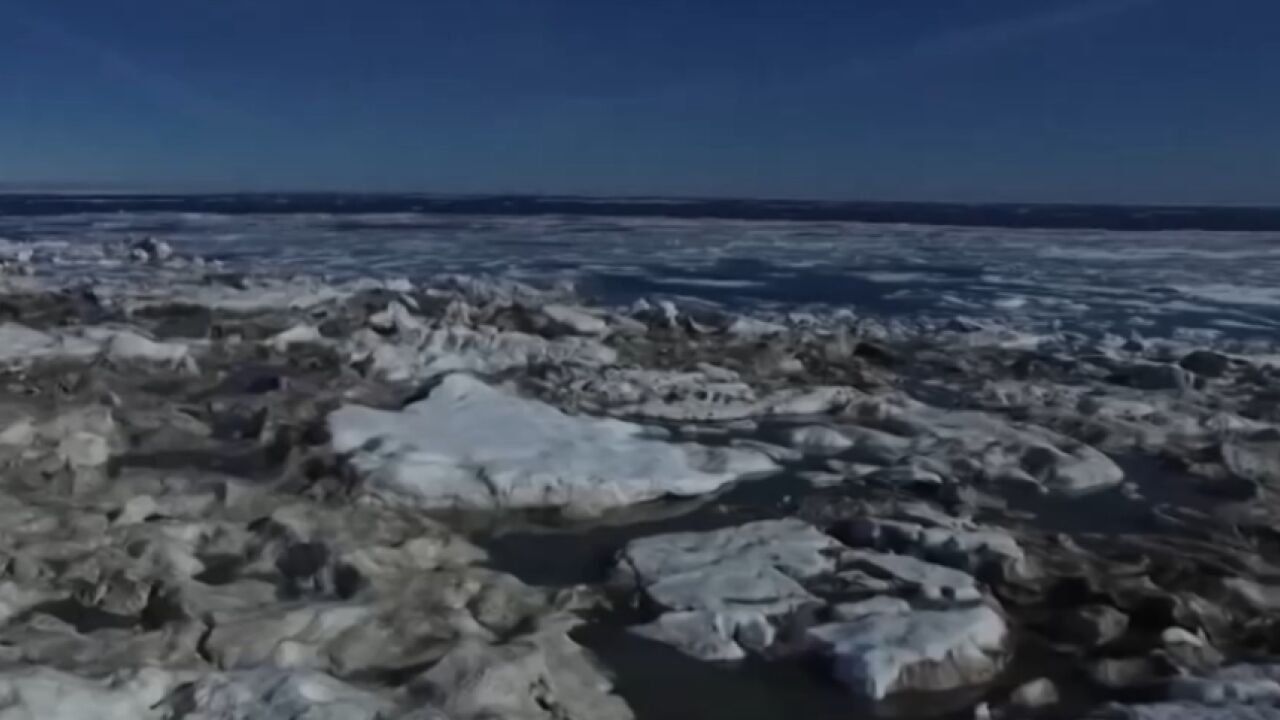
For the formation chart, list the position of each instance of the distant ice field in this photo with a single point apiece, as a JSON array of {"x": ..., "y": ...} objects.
[{"x": 1150, "y": 282}]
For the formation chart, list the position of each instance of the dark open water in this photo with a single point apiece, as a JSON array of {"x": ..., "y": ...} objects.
[{"x": 1113, "y": 217}]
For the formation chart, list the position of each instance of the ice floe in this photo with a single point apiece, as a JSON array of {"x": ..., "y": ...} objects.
[{"x": 472, "y": 445}]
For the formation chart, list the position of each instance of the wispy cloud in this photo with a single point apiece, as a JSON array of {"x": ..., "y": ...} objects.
[
  {"x": 995, "y": 36},
  {"x": 973, "y": 41},
  {"x": 953, "y": 45}
]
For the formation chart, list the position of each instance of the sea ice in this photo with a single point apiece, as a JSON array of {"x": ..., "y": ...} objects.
[
  {"x": 474, "y": 446},
  {"x": 923, "y": 650}
]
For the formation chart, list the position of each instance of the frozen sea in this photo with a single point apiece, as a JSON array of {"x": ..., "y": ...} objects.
[{"x": 1148, "y": 271}]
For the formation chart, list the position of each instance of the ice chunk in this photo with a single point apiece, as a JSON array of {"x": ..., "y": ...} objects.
[
  {"x": 745, "y": 326},
  {"x": 474, "y": 446},
  {"x": 818, "y": 439},
  {"x": 934, "y": 582},
  {"x": 545, "y": 676},
  {"x": 271, "y": 694},
  {"x": 876, "y": 605},
  {"x": 396, "y": 317},
  {"x": 488, "y": 350},
  {"x": 19, "y": 343},
  {"x": 939, "y": 538},
  {"x": 924, "y": 650},
  {"x": 300, "y": 334},
  {"x": 575, "y": 320},
  {"x": 40, "y": 692},
  {"x": 722, "y": 589},
  {"x": 130, "y": 346},
  {"x": 1235, "y": 684}
]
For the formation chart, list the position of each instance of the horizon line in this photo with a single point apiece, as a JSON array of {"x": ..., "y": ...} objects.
[{"x": 61, "y": 189}]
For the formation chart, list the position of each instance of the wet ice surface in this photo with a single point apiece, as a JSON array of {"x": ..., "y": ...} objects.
[{"x": 1148, "y": 282}]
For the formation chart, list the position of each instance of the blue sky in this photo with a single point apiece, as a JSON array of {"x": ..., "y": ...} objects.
[{"x": 1164, "y": 101}]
